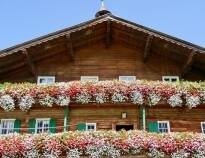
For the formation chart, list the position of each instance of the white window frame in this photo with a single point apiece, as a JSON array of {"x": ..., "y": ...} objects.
[
  {"x": 46, "y": 78},
  {"x": 89, "y": 78},
  {"x": 91, "y": 124},
  {"x": 202, "y": 130},
  {"x": 168, "y": 125},
  {"x": 170, "y": 78},
  {"x": 13, "y": 120},
  {"x": 41, "y": 119},
  {"x": 122, "y": 78}
]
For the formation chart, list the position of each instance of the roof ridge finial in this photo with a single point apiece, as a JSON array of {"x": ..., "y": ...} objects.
[
  {"x": 103, "y": 10},
  {"x": 102, "y": 5}
]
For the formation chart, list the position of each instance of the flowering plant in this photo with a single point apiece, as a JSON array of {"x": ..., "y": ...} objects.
[
  {"x": 24, "y": 96},
  {"x": 103, "y": 143}
]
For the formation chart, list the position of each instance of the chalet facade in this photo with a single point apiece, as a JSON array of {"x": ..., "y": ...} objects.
[{"x": 105, "y": 48}]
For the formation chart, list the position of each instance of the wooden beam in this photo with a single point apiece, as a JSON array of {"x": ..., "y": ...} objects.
[
  {"x": 188, "y": 64},
  {"x": 147, "y": 48},
  {"x": 108, "y": 34},
  {"x": 69, "y": 46},
  {"x": 29, "y": 63}
]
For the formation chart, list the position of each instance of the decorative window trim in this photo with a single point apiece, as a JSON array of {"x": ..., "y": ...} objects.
[
  {"x": 41, "y": 119},
  {"x": 133, "y": 78},
  {"x": 46, "y": 78},
  {"x": 202, "y": 129},
  {"x": 168, "y": 125},
  {"x": 6, "y": 129},
  {"x": 91, "y": 124},
  {"x": 170, "y": 78},
  {"x": 86, "y": 78}
]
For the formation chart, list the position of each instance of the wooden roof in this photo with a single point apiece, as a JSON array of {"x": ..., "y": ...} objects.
[{"x": 104, "y": 28}]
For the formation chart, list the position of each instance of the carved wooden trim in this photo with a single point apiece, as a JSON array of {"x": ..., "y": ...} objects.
[
  {"x": 69, "y": 46},
  {"x": 147, "y": 48},
  {"x": 188, "y": 64},
  {"x": 29, "y": 63},
  {"x": 108, "y": 34}
]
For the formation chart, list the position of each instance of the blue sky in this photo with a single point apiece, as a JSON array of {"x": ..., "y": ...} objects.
[{"x": 22, "y": 20}]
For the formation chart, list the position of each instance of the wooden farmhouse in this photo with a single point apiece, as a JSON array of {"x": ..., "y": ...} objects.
[{"x": 100, "y": 52}]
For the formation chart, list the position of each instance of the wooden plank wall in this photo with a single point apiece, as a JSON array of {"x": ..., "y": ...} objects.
[
  {"x": 181, "y": 119},
  {"x": 105, "y": 116}
]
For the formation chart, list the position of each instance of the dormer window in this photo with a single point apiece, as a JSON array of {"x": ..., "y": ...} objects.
[
  {"x": 89, "y": 78},
  {"x": 127, "y": 78},
  {"x": 46, "y": 80},
  {"x": 170, "y": 78}
]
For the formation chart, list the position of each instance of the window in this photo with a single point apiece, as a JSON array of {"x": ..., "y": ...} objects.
[
  {"x": 42, "y": 125},
  {"x": 90, "y": 126},
  {"x": 46, "y": 80},
  {"x": 89, "y": 78},
  {"x": 7, "y": 126},
  {"x": 127, "y": 78},
  {"x": 170, "y": 78},
  {"x": 203, "y": 127},
  {"x": 163, "y": 126}
]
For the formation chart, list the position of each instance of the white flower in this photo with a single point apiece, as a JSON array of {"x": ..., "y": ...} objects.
[
  {"x": 175, "y": 100},
  {"x": 203, "y": 97},
  {"x": 62, "y": 100},
  {"x": 83, "y": 98},
  {"x": 137, "y": 98},
  {"x": 180, "y": 154},
  {"x": 155, "y": 153},
  {"x": 7, "y": 103},
  {"x": 118, "y": 98},
  {"x": 74, "y": 153},
  {"x": 26, "y": 103},
  {"x": 153, "y": 99},
  {"x": 47, "y": 101},
  {"x": 100, "y": 98},
  {"x": 192, "y": 101}
]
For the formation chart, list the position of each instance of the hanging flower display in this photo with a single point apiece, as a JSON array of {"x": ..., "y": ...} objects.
[
  {"x": 153, "y": 99},
  {"x": 137, "y": 98},
  {"x": 25, "y": 95},
  {"x": 192, "y": 101},
  {"x": 99, "y": 144},
  {"x": 47, "y": 101},
  {"x": 62, "y": 100},
  {"x": 7, "y": 103},
  {"x": 26, "y": 103},
  {"x": 175, "y": 100},
  {"x": 118, "y": 98}
]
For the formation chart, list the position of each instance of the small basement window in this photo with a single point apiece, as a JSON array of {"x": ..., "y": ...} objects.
[
  {"x": 163, "y": 126},
  {"x": 90, "y": 126},
  {"x": 127, "y": 78},
  {"x": 46, "y": 80},
  {"x": 203, "y": 127},
  {"x": 170, "y": 78},
  {"x": 7, "y": 126},
  {"x": 89, "y": 78},
  {"x": 42, "y": 125}
]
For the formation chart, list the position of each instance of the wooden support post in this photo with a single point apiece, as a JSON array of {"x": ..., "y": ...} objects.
[
  {"x": 188, "y": 64},
  {"x": 69, "y": 46},
  {"x": 108, "y": 34},
  {"x": 143, "y": 118},
  {"x": 65, "y": 119},
  {"x": 147, "y": 48},
  {"x": 29, "y": 62}
]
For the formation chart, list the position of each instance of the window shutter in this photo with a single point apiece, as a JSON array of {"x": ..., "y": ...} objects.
[
  {"x": 52, "y": 126},
  {"x": 32, "y": 125},
  {"x": 17, "y": 126},
  {"x": 81, "y": 127},
  {"x": 153, "y": 126}
]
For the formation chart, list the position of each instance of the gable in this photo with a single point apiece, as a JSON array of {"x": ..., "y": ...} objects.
[{"x": 107, "y": 30}]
